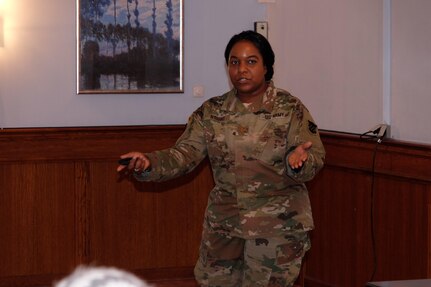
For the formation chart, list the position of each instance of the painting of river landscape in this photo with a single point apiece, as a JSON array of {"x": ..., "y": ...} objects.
[{"x": 129, "y": 46}]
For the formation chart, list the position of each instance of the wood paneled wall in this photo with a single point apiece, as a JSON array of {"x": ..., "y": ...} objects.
[
  {"x": 371, "y": 205},
  {"x": 62, "y": 204}
]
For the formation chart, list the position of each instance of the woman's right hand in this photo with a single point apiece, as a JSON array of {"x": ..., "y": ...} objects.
[{"x": 138, "y": 162}]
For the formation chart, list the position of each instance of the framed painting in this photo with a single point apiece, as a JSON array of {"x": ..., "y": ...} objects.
[{"x": 129, "y": 46}]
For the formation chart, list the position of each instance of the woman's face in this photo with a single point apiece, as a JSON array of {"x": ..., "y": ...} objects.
[{"x": 246, "y": 70}]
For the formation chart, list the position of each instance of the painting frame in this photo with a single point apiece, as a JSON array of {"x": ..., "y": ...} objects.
[{"x": 129, "y": 46}]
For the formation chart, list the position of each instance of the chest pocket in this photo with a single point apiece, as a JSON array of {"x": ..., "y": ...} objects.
[
  {"x": 274, "y": 142},
  {"x": 216, "y": 128}
]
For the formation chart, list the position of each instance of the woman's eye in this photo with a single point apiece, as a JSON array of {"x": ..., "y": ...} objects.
[
  {"x": 252, "y": 61},
  {"x": 234, "y": 62}
]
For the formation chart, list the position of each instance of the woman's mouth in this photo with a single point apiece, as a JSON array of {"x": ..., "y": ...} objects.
[{"x": 242, "y": 80}]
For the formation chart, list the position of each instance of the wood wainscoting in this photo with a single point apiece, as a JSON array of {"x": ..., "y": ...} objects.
[
  {"x": 63, "y": 204},
  {"x": 366, "y": 186}
]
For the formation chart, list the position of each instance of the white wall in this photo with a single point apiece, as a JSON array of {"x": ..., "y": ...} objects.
[
  {"x": 332, "y": 54},
  {"x": 411, "y": 70},
  {"x": 38, "y": 66}
]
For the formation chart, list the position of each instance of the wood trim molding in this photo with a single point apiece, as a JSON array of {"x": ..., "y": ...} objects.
[
  {"x": 95, "y": 143},
  {"x": 393, "y": 158}
]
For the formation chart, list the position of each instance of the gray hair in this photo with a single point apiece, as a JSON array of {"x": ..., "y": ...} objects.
[{"x": 100, "y": 277}]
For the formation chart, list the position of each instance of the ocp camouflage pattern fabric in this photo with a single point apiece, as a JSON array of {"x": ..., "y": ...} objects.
[
  {"x": 256, "y": 224},
  {"x": 255, "y": 194}
]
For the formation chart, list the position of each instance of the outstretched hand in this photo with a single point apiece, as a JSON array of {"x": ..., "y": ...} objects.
[{"x": 299, "y": 155}]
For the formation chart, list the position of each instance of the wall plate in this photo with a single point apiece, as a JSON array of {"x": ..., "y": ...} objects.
[{"x": 261, "y": 27}]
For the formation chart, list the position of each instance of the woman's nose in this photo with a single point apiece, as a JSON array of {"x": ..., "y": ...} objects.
[{"x": 242, "y": 67}]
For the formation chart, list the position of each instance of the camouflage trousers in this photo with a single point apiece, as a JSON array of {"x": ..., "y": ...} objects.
[{"x": 231, "y": 261}]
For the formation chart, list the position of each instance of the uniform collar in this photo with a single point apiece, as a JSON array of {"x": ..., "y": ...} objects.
[{"x": 264, "y": 104}]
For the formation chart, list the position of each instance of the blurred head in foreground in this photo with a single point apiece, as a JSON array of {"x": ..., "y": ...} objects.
[{"x": 100, "y": 277}]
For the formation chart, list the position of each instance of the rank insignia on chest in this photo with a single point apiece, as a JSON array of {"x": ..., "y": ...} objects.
[{"x": 312, "y": 127}]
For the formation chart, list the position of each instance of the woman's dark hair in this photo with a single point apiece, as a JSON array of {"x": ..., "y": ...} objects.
[{"x": 261, "y": 43}]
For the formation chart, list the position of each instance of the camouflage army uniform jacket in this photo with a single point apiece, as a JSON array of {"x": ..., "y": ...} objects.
[{"x": 256, "y": 193}]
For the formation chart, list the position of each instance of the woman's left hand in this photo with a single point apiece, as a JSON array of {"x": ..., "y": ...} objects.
[{"x": 299, "y": 155}]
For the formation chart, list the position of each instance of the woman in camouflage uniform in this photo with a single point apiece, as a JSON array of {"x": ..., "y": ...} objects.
[{"x": 263, "y": 145}]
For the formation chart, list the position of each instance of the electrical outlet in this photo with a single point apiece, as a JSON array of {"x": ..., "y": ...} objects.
[
  {"x": 198, "y": 91},
  {"x": 261, "y": 27}
]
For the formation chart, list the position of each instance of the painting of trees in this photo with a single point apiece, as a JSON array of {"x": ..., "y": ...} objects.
[{"x": 129, "y": 46}]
